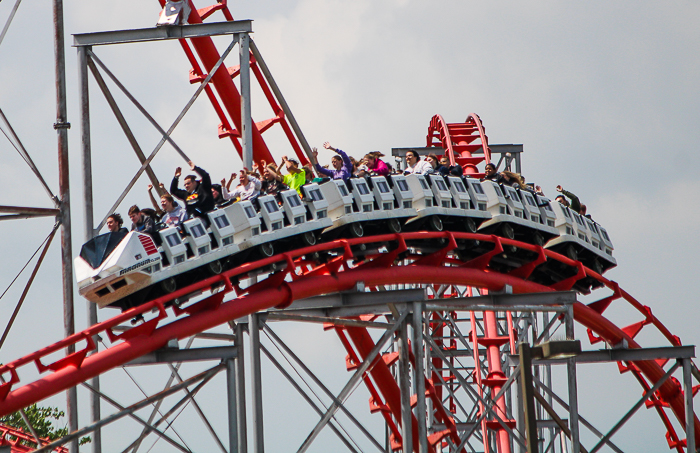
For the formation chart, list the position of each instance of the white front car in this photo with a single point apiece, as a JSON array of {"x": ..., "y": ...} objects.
[{"x": 124, "y": 270}]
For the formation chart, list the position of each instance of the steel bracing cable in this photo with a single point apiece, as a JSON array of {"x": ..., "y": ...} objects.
[
  {"x": 136, "y": 417},
  {"x": 166, "y": 134},
  {"x": 155, "y": 404},
  {"x": 201, "y": 379},
  {"x": 168, "y": 425},
  {"x": 17, "y": 144},
  {"x": 45, "y": 244},
  {"x": 340, "y": 425},
  {"x": 29, "y": 261},
  {"x": 9, "y": 20},
  {"x": 287, "y": 353},
  {"x": 349, "y": 442}
]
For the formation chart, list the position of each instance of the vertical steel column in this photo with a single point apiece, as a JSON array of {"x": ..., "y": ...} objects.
[
  {"x": 405, "y": 388},
  {"x": 428, "y": 371},
  {"x": 529, "y": 399},
  {"x": 689, "y": 414},
  {"x": 523, "y": 335},
  {"x": 256, "y": 383},
  {"x": 519, "y": 416},
  {"x": 61, "y": 125},
  {"x": 246, "y": 120},
  {"x": 547, "y": 375},
  {"x": 240, "y": 391},
  {"x": 232, "y": 406},
  {"x": 86, "y": 148},
  {"x": 573, "y": 390},
  {"x": 419, "y": 373}
]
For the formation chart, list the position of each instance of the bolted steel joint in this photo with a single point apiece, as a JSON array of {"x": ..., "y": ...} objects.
[{"x": 61, "y": 125}]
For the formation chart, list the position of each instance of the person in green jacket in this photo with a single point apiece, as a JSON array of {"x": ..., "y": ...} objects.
[
  {"x": 575, "y": 203},
  {"x": 295, "y": 178}
]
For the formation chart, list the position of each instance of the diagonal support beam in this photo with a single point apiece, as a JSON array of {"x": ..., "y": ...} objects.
[
  {"x": 635, "y": 408},
  {"x": 354, "y": 380},
  {"x": 17, "y": 144},
  {"x": 308, "y": 399},
  {"x": 280, "y": 344},
  {"x": 166, "y": 135},
  {"x": 123, "y": 124},
  {"x": 148, "y": 425},
  {"x": 585, "y": 422},
  {"x": 561, "y": 423},
  {"x": 203, "y": 378}
]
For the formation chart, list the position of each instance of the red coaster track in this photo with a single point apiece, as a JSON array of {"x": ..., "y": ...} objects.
[
  {"x": 21, "y": 442},
  {"x": 229, "y": 95},
  {"x": 460, "y": 141},
  {"x": 302, "y": 278}
]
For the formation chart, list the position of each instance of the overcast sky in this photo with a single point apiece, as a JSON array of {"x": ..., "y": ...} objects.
[{"x": 604, "y": 96}]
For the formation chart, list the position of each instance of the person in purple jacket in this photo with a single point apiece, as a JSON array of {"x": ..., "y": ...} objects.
[{"x": 342, "y": 167}]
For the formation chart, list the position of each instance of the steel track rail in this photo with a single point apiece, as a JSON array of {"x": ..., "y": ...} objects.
[{"x": 302, "y": 278}]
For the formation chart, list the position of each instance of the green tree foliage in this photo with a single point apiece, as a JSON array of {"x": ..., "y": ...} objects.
[{"x": 42, "y": 420}]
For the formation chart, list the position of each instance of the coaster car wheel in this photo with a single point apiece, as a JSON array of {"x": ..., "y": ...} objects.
[
  {"x": 309, "y": 238},
  {"x": 394, "y": 226},
  {"x": 266, "y": 249},
  {"x": 215, "y": 267},
  {"x": 435, "y": 223},
  {"x": 356, "y": 230},
  {"x": 169, "y": 285},
  {"x": 470, "y": 225}
]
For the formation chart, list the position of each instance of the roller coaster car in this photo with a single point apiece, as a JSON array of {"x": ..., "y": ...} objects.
[
  {"x": 126, "y": 269},
  {"x": 367, "y": 203},
  {"x": 510, "y": 216},
  {"x": 391, "y": 205},
  {"x": 466, "y": 206},
  {"x": 340, "y": 200},
  {"x": 431, "y": 199},
  {"x": 581, "y": 239},
  {"x": 113, "y": 265}
]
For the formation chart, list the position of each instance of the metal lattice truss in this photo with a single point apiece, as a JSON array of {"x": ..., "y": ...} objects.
[{"x": 418, "y": 331}]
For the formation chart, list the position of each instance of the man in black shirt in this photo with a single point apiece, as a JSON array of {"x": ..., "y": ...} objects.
[{"x": 197, "y": 194}]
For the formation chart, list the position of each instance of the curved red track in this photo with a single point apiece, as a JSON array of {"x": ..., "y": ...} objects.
[
  {"x": 302, "y": 279},
  {"x": 460, "y": 140}
]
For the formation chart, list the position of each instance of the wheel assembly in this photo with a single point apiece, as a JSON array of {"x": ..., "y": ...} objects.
[
  {"x": 470, "y": 225},
  {"x": 266, "y": 249},
  {"x": 356, "y": 230},
  {"x": 507, "y": 231},
  {"x": 537, "y": 239},
  {"x": 597, "y": 266},
  {"x": 215, "y": 267},
  {"x": 435, "y": 223},
  {"x": 394, "y": 226},
  {"x": 168, "y": 285},
  {"x": 309, "y": 238},
  {"x": 570, "y": 252}
]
